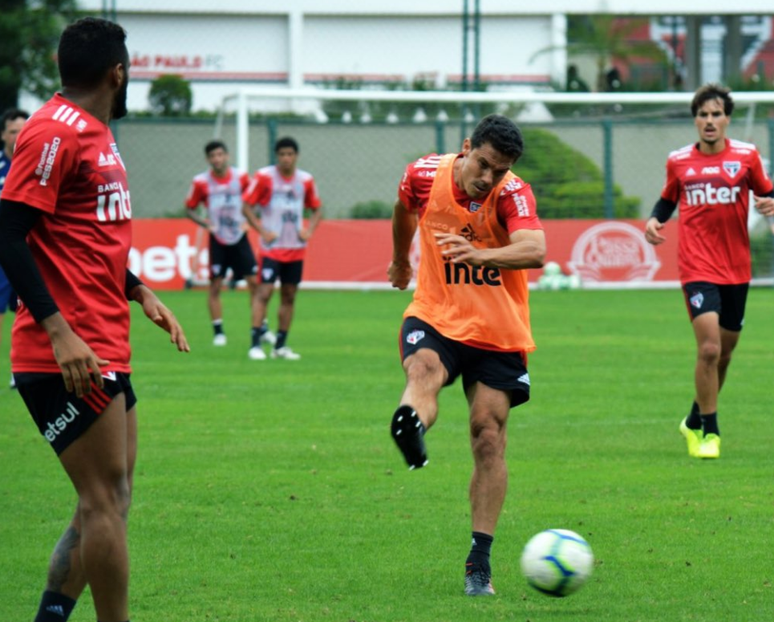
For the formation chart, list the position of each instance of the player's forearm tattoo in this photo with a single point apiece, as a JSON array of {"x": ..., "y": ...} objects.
[{"x": 59, "y": 570}]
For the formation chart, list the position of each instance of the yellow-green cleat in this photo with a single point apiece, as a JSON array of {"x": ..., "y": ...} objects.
[
  {"x": 710, "y": 447},
  {"x": 694, "y": 438}
]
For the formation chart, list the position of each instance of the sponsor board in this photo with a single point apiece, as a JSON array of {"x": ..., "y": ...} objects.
[{"x": 167, "y": 252}]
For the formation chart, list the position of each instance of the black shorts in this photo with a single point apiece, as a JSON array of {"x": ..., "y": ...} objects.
[
  {"x": 505, "y": 371},
  {"x": 62, "y": 417},
  {"x": 288, "y": 272},
  {"x": 239, "y": 257},
  {"x": 728, "y": 301}
]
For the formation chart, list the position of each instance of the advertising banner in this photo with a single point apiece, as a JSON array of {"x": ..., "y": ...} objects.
[{"x": 355, "y": 253}]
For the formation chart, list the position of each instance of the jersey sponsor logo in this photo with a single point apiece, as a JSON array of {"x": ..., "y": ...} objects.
[
  {"x": 469, "y": 234},
  {"x": 114, "y": 149},
  {"x": 427, "y": 173},
  {"x": 732, "y": 168},
  {"x": 690, "y": 172},
  {"x": 521, "y": 204},
  {"x": 428, "y": 162},
  {"x": 415, "y": 336},
  {"x": 524, "y": 379},
  {"x": 113, "y": 202},
  {"x": 60, "y": 424},
  {"x": 511, "y": 186},
  {"x": 109, "y": 160},
  {"x": 47, "y": 159},
  {"x": 707, "y": 194},
  {"x": 66, "y": 114},
  {"x": 613, "y": 251},
  {"x": 710, "y": 170},
  {"x": 463, "y": 274},
  {"x": 697, "y": 300}
]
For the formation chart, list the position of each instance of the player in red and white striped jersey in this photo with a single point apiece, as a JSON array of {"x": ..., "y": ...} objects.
[
  {"x": 282, "y": 193},
  {"x": 65, "y": 234},
  {"x": 219, "y": 189},
  {"x": 711, "y": 182}
]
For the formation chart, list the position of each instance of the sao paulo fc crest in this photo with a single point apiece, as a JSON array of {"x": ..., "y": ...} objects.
[
  {"x": 732, "y": 168},
  {"x": 415, "y": 336},
  {"x": 697, "y": 300}
]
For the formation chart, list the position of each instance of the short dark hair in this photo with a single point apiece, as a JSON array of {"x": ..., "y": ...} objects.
[
  {"x": 284, "y": 143},
  {"x": 11, "y": 115},
  {"x": 709, "y": 92},
  {"x": 501, "y": 133},
  {"x": 88, "y": 48},
  {"x": 213, "y": 145}
]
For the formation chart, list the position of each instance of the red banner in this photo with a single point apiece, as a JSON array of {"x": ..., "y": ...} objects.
[{"x": 347, "y": 253}]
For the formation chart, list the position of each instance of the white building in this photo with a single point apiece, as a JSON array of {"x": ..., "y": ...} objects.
[{"x": 300, "y": 42}]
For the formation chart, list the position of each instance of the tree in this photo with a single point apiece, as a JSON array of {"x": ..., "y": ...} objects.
[
  {"x": 29, "y": 35},
  {"x": 170, "y": 95},
  {"x": 607, "y": 39}
]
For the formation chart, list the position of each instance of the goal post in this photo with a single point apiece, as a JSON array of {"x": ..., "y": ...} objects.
[{"x": 309, "y": 101}]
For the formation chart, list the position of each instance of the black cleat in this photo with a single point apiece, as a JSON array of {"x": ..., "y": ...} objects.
[
  {"x": 478, "y": 580},
  {"x": 408, "y": 432}
]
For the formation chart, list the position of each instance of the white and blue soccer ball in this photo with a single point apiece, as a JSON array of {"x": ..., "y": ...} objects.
[{"x": 557, "y": 562}]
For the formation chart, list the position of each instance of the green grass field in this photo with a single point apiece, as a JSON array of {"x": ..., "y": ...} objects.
[{"x": 271, "y": 491}]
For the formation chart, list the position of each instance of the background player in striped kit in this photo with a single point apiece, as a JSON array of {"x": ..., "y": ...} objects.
[
  {"x": 219, "y": 189},
  {"x": 282, "y": 192},
  {"x": 711, "y": 181}
]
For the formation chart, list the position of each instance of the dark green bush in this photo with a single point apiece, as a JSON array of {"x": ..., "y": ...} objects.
[
  {"x": 372, "y": 210},
  {"x": 566, "y": 183}
]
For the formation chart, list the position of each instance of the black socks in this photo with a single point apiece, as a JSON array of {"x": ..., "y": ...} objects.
[
  {"x": 693, "y": 421},
  {"x": 480, "y": 548},
  {"x": 54, "y": 607},
  {"x": 710, "y": 424}
]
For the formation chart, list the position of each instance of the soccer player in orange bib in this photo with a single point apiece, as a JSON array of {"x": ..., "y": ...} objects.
[
  {"x": 478, "y": 233},
  {"x": 65, "y": 235},
  {"x": 711, "y": 182}
]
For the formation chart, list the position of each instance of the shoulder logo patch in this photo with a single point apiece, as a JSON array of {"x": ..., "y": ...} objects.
[{"x": 415, "y": 336}]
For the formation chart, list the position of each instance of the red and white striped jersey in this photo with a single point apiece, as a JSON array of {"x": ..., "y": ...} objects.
[
  {"x": 282, "y": 202},
  {"x": 222, "y": 196}
]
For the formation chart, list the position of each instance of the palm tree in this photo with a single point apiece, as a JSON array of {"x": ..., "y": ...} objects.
[{"x": 608, "y": 39}]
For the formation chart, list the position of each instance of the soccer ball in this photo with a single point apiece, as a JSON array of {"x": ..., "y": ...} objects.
[
  {"x": 557, "y": 562},
  {"x": 552, "y": 269}
]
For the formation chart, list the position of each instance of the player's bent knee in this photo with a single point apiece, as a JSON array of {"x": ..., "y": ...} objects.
[{"x": 421, "y": 368}]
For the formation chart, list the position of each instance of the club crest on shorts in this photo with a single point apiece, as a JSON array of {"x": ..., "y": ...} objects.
[
  {"x": 415, "y": 336},
  {"x": 697, "y": 300}
]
